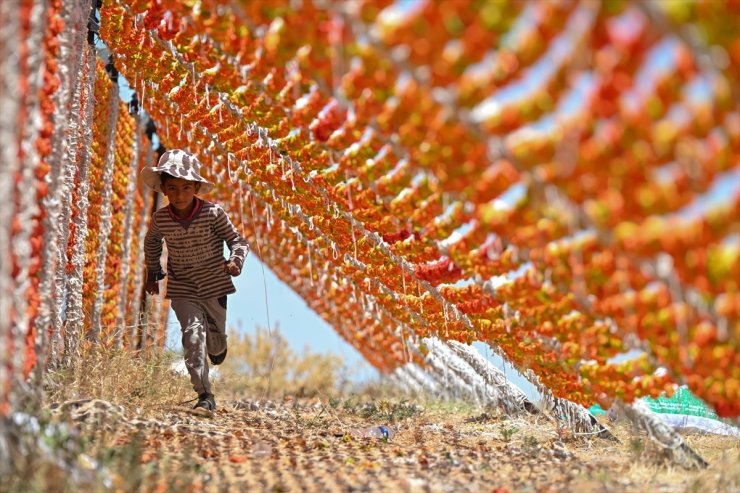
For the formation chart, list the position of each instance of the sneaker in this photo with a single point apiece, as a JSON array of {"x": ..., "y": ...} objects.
[
  {"x": 217, "y": 359},
  {"x": 206, "y": 401}
]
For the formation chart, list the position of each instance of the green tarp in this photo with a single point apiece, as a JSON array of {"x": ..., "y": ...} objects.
[{"x": 684, "y": 411}]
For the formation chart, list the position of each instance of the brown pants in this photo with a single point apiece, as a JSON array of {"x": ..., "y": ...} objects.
[{"x": 203, "y": 325}]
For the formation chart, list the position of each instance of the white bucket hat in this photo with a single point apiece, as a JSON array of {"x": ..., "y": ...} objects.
[{"x": 179, "y": 164}]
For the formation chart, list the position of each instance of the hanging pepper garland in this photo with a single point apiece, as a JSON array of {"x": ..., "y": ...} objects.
[
  {"x": 72, "y": 132},
  {"x": 139, "y": 332},
  {"x": 49, "y": 142},
  {"x": 220, "y": 102},
  {"x": 25, "y": 21},
  {"x": 47, "y": 321},
  {"x": 282, "y": 242},
  {"x": 77, "y": 251},
  {"x": 40, "y": 138},
  {"x": 124, "y": 140},
  {"x": 121, "y": 299},
  {"x": 105, "y": 97},
  {"x": 720, "y": 234},
  {"x": 11, "y": 160}
]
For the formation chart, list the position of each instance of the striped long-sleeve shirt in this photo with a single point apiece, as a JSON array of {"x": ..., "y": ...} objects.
[{"x": 195, "y": 246}]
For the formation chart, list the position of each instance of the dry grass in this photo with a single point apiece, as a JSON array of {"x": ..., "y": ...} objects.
[
  {"x": 121, "y": 377},
  {"x": 52, "y": 453},
  {"x": 723, "y": 473},
  {"x": 638, "y": 464}
]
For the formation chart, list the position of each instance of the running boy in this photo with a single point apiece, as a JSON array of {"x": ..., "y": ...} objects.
[{"x": 198, "y": 276}]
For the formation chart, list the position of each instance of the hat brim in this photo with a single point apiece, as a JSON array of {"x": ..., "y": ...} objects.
[{"x": 151, "y": 178}]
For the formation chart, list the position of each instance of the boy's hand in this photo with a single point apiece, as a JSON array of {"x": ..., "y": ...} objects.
[
  {"x": 231, "y": 268},
  {"x": 152, "y": 287}
]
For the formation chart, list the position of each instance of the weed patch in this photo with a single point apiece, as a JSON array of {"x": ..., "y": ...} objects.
[{"x": 119, "y": 376}]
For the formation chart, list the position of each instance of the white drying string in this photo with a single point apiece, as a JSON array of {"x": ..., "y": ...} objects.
[
  {"x": 262, "y": 266},
  {"x": 264, "y": 282},
  {"x": 235, "y": 179},
  {"x": 262, "y": 263}
]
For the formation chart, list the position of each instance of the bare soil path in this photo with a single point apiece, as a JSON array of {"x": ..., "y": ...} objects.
[{"x": 314, "y": 446}]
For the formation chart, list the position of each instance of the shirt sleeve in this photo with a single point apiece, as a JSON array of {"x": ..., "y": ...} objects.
[
  {"x": 237, "y": 244},
  {"x": 153, "y": 251}
]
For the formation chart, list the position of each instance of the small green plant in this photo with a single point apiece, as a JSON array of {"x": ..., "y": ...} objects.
[
  {"x": 637, "y": 447},
  {"x": 531, "y": 444},
  {"x": 389, "y": 411},
  {"x": 603, "y": 476},
  {"x": 507, "y": 432},
  {"x": 483, "y": 418}
]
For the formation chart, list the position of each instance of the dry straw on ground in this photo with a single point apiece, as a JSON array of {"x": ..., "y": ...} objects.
[{"x": 135, "y": 380}]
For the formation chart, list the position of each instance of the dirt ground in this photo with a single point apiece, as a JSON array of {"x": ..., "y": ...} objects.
[{"x": 315, "y": 445}]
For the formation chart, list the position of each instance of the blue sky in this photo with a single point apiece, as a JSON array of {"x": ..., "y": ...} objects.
[
  {"x": 288, "y": 312},
  {"x": 297, "y": 322}
]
